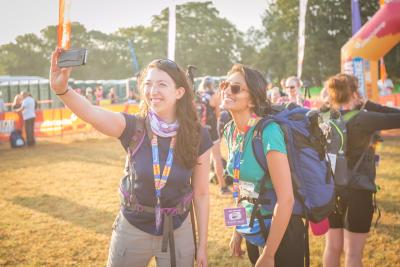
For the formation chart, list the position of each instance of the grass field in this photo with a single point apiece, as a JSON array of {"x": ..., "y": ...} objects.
[{"x": 59, "y": 199}]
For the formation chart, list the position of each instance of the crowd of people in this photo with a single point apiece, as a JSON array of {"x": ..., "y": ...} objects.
[
  {"x": 171, "y": 143},
  {"x": 98, "y": 94}
]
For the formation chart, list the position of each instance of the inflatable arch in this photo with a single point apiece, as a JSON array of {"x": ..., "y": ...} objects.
[{"x": 360, "y": 55}]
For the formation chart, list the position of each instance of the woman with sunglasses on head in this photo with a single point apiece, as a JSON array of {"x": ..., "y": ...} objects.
[
  {"x": 243, "y": 95},
  {"x": 351, "y": 220},
  {"x": 170, "y": 167}
]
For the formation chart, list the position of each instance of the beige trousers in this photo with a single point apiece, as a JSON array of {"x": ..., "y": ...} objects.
[{"x": 132, "y": 247}]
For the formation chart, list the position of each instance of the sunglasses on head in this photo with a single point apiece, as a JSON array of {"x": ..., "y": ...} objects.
[
  {"x": 166, "y": 62},
  {"x": 235, "y": 88}
]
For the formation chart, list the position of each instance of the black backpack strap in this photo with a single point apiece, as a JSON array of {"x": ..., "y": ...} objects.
[
  {"x": 192, "y": 217},
  {"x": 138, "y": 135},
  {"x": 258, "y": 150},
  {"x": 376, "y": 209},
  {"x": 307, "y": 244}
]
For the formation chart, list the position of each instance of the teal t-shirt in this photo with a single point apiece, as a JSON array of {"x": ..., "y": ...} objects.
[{"x": 250, "y": 170}]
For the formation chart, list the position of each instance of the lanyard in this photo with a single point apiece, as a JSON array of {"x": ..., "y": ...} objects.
[
  {"x": 160, "y": 181},
  {"x": 238, "y": 155}
]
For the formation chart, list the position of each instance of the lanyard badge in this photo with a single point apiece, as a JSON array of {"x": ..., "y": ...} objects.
[
  {"x": 237, "y": 216},
  {"x": 161, "y": 180}
]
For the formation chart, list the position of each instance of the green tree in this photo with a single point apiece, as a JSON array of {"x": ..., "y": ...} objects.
[
  {"x": 328, "y": 27},
  {"x": 203, "y": 39}
]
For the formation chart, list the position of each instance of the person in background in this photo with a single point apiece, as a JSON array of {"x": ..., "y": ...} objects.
[
  {"x": 17, "y": 102},
  {"x": 113, "y": 96},
  {"x": 171, "y": 167},
  {"x": 28, "y": 114},
  {"x": 2, "y": 105},
  {"x": 89, "y": 95},
  {"x": 385, "y": 86},
  {"x": 98, "y": 93},
  {"x": 133, "y": 98},
  {"x": 282, "y": 89},
  {"x": 210, "y": 101},
  {"x": 293, "y": 85},
  {"x": 275, "y": 96},
  {"x": 78, "y": 90},
  {"x": 350, "y": 223}
]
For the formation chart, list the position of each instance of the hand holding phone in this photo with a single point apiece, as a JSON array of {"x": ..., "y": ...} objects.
[{"x": 72, "y": 58}]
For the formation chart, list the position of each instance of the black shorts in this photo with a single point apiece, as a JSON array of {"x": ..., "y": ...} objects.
[
  {"x": 291, "y": 250},
  {"x": 354, "y": 211}
]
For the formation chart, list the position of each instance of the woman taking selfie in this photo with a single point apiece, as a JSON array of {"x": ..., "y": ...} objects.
[{"x": 170, "y": 166}]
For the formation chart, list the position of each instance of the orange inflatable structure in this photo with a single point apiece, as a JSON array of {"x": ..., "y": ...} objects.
[{"x": 360, "y": 55}]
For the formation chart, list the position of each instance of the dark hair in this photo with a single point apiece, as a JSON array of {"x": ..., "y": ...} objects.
[
  {"x": 188, "y": 136},
  {"x": 341, "y": 88},
  {"x": 257, "y": 85}
]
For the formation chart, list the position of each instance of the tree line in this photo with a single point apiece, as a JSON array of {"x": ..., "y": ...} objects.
[{"x": 208, "y": 41}]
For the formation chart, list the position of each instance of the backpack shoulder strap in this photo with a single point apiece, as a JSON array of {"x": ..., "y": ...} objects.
[
  {"x": 349, "y": 115},
  {"x": 137, "y": 137},
  {"x": 257, "y": 144}
]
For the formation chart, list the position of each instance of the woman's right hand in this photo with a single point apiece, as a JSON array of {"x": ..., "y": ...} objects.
[
  {"x": 235, "y": 245},
  {"x": 58, "y": 76}
]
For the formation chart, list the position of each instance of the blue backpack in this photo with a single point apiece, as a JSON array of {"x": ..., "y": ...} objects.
[{"x": 311, "y": 173}]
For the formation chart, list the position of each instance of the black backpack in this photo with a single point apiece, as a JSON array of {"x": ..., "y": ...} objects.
[
  {"x": 338, "y": 154},
  {"x": 16, "y": 139}
]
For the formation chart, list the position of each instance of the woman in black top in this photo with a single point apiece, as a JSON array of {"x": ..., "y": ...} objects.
[{"x": 350, "y": 223}]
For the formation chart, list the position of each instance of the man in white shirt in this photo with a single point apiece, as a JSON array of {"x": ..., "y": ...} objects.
[
  {"x": 28, "y": 114},
  {"x": 385, "y": 87}
]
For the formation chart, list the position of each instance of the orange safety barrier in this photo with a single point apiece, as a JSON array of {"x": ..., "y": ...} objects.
[
  {"x": 389, "y": 100},
  {"x": 55, "y": 122},
  {"x": 397, "y": 100}
]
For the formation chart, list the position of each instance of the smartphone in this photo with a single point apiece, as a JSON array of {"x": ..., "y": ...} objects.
[{"x": 72, "y": 58}]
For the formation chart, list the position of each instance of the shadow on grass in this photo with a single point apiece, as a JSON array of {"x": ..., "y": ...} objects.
[
  {"x": 90, "y": 218},
  {"x": 388, "y": 206},
  {"x": 392, "y": 230},
  {"x": 90, "y": 151}
]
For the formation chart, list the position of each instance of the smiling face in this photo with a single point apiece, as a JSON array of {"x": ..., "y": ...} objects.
[
  {"x": 160, "y": 92},
  {"x": 236, "y": 102},
  {"x": 292, "y": 88}
]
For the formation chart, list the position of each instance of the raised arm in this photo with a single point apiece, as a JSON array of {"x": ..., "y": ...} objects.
[
  {"x": 107, "y": 122},
  {"x": 374, "y": 121},
  {"x": 372, "y": 106},
  {"x": 201, "y": 204}
]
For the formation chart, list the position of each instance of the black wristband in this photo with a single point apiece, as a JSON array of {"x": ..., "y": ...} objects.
[{"x": 63, "y": 93}]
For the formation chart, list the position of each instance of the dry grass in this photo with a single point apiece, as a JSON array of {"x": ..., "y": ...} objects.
[{"x": 59, "y": 199}]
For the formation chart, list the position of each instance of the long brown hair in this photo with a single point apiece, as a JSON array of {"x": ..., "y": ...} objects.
[
  {"x": 188, "y": 136},
  {"x": 257, "y": 87}
]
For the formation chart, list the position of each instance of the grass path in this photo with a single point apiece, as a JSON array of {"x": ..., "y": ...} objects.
[{"x": 58, "y": 202}]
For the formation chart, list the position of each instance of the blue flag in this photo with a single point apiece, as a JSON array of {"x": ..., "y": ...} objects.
[
  {"x": 355, "y": 16},
  {"x": 135, "y": 63}
]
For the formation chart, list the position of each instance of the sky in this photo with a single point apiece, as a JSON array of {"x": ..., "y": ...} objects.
[{"x": 19, "y": 17}]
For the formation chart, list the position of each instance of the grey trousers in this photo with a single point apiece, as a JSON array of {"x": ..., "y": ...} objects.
[{"x": 132, "y": 247}]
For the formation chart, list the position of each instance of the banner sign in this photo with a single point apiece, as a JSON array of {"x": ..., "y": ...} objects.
[{"x": 358, "y": 72}]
